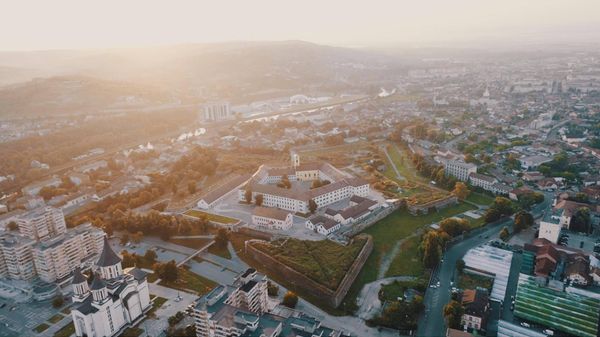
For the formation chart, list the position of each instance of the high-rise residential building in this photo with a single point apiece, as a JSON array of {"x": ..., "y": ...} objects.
[
  {"x": 56, "y": 258},
  {"x": 241, "y": 311},
  {"x": 16, "y": 261},
  {"x": 42, "y": 223},
  {"x": 52, "y": 259},
  {"x": 115, "y": 299},
  {"x": 215, "y": 111}
]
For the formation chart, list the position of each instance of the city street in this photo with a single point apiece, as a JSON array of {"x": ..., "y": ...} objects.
[{"x": 432, "y": 322}]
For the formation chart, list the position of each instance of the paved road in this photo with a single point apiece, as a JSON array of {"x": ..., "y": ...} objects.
[{"x": 432, "y": 322}]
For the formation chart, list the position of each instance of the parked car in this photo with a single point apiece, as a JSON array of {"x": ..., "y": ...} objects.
[
  {"x": 525, "y": 325},
  {"x": 548, "y": 332}
]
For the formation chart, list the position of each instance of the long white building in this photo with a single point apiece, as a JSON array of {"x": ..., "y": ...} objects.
[
  {"x": 296, "y": 199},
  {"x": 491, "y": 261},
  {"x": 115, "y": 300},
  {"x": 459, "y": 170}
]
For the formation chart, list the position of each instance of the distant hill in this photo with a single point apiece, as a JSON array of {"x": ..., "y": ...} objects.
[
  {"x": 67, "y": 95},
  {"x": 91, "y": 81}
]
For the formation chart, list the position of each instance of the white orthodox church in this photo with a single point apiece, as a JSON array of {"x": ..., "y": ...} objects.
[{"x": 115, "y": 300}]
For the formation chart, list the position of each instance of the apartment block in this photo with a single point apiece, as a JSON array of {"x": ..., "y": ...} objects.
[
  {"x": 57, "y": 257},
  {"x": 16, "y": 260},
  {"x": 42, "y": 223}
]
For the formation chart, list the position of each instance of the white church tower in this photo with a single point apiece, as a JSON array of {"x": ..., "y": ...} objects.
[
  {"x": 115, "y": 300},
  {"x": 295, "y": 159}
]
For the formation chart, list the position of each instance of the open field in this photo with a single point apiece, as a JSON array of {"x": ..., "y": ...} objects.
[
  {"x": 386, "y": 233},
  {"x": 325, "y": 262},
  {"x": 210, "y": 216},
  {"x": 190, "y": 281},
  {"x": 480, "y": 199},
  {"x": 339, "y": 155},
  {"x": 408, "y": 261}
]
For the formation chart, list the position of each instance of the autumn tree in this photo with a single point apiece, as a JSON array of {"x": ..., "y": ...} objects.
[
  {"x": 523, "y": 220},
  {"x": 504, "y": 234},
  {"x": 221, "y": 238},
  {"x": 454, "y": 226},
  {"x": 248, "y": 196},
  {"x": 258, "y": 200},
  {"x": 453, "y": 312},
  {"x": 290, "y": 299},
  {"x": 461, "y": 191},
  {"x": 12, "y": 226},
  {"x": 167, "y": 271},
  {"x": 150, "y": 256}
]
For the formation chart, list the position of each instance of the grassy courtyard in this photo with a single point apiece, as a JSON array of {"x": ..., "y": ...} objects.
[
  {"x": 325, "y": 262},
  {"x": 211, "y": 216},
  {"x": 189, "y": 281}
]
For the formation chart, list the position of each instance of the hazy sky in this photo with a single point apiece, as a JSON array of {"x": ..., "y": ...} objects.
[{"x": 52, "y": 24}]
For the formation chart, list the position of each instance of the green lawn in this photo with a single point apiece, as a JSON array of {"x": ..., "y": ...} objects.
[
  {"x": 404, "y": 165},
  {"x": 480, "y": 199},
  {"x": 66, "y": 311},
  {"x": 407, "y": 262},
  {"x": 56, "y": 318},
  {"x": 41, "y": 328},
  {"x": 190, "y": 281},
  {"x": 210, "y": 216},
  {"x": 66, "y": 331},
  {"x": 386, "y": 233},
  {"x": 472, "y": 281}
]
